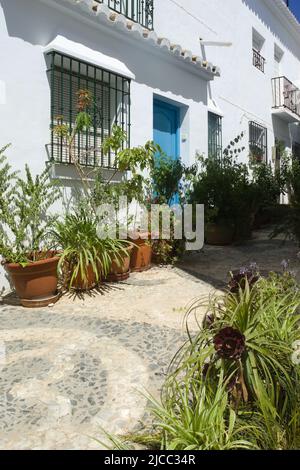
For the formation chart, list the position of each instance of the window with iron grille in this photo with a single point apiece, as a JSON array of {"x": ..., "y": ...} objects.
[
  {"x": 258, "y": 142},
  {"x": 111, "y": 105},
  {"x": 139, "y": 11},
  {"x": 214, "y": 135}
]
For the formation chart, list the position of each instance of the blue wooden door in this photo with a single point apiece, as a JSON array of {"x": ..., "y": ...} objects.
[
  {"x": 166, "y": 131},
  {"x": 166, "y": 128}
]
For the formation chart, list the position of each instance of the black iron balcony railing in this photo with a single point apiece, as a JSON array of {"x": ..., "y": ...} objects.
[
  {"x": 259, "y": 61},
  {"x": 139, "y": 11},
  {"x": 285, "y": 95}
]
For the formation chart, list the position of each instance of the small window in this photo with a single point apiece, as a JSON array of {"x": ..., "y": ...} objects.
[
  {"x": 257, "y": 46},
  {"x": 111, "y": 105},
  {"x": 278, "y": 55},
  {"x": 214, "y": 135},
  {"x": 258, "y": 144}
]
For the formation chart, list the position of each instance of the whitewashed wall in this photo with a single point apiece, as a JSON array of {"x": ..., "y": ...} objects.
[
  {"x": 26, "y": 27},
  {"x": 243, "y": 92}
]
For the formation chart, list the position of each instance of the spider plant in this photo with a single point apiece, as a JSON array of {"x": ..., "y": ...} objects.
[
  {"x": 249, "y": 340},
  {"x": 201, "y": 419},
  {"x": 83, "y": 250}
]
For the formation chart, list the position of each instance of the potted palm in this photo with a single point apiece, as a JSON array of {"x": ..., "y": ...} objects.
[
  {"x": 24, "y": 242},
  {"x": 86, "y": 259}
]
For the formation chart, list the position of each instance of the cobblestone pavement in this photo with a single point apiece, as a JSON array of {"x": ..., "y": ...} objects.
[
  {"x": 69, "y": 370},
  {"x": 212, "y": 264}
]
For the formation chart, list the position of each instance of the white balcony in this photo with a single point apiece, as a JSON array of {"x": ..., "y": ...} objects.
[{"x": 286, "y": 100}]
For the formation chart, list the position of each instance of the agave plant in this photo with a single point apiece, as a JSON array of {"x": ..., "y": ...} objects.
[{"x": 83, "y": 250}]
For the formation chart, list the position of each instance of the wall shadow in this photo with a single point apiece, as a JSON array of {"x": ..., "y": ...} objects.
[
  {"x": 259, "y": 8},
  {"x": 38, "y": 24}
]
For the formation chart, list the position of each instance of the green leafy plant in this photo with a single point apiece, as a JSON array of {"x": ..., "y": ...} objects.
[
  {"x": 249, "y": 342},
  {"x": 167, "y": 179},
  {"x": 234, "y": 384},
  {"x": 219, "y": 185},
  {"x": 24, "y": 215},
  {"x": 82, "y": 248},
  {"x": 290, "y": 225}
]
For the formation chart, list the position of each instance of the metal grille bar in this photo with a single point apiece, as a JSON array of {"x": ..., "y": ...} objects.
[
  {"x": 111, "y": 105},
  {"x": 139, "y": 11},
  {"x": 285, "y": 95},
  {"x": 214, "y": 135},
  {"x": 258, "y": 61},
  {"x": 258, "y": 142}
]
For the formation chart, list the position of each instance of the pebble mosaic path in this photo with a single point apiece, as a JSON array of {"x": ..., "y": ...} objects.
[{"x": 69, "y": 371}]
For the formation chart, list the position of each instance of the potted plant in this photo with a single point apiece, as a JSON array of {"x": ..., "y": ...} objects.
[
  {"x": 24, "y": 224},
  {"x": 120, "y": 264},
  {"x": 132, "y": 163},
  {"x": 224, "y": 187},
  {"x": 86, "y": 258},
  {"x": 256, "y": 154}
]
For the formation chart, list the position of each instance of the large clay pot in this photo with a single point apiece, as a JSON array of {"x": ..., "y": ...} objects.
[
  {"x": 142, "y": 253},
  {"x": 243, "y": 230},
  {"x": 85, "y": 284},
  {"x": 120, "y": 270},
  {"x": 37, "y": 281},
  {"x": 219, "y": 234}
]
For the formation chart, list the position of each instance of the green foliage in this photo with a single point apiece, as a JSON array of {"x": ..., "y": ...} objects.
[
  {"x": 231, "y": 194},
  {"x": 219, "y": 185},
  {"x": 83, "y": 121},
  {"x": 167, "y": 177},
  {"x": 201, "y": 419},
  {"x": 135, "y": 159},
  {"x": 77, "y": 237},
  {"x": 290, "y": 174},
  {"x": 238, "y": 390},
  {"x": 268, "y": 185},
  {"x": 132, "y": 163},
  {"x": 115, "y": 142},
  {"x": 261, "y": 384},
  {"x": 168, "y": 250},
  {"x": 24, "y": 215}
]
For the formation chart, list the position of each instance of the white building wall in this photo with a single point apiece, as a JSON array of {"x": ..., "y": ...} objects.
[
  {"x": 26, "y": 27},
  {"x": 243, "y": 93}
]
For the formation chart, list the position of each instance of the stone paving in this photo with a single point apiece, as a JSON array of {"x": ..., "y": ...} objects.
[{"x": 68, "y": 371}]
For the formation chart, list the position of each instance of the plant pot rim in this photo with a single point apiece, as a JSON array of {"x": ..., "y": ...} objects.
[
  {"x": 18, "y": 266},
  {"x": 139, "y": 235}
]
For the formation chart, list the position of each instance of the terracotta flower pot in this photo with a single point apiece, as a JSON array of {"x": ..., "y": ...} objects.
[
  {"x": 37, "y": 281},
  {"x": 85, "y": 284},
  {"x": 219, "y": 234},
  {"x": 141, "y": 254},
  {"x": 120, "y": 270}
]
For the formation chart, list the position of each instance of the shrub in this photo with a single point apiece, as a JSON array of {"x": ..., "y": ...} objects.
[
  {"x": 235, "y": 384},
  {"x": 24, "y": 214},
  {"x": 224, "y": 188},
  {"x": 290, "y": 226},
  {"x": 248, "y": 345},
  {"x": 82, "y": 249}
]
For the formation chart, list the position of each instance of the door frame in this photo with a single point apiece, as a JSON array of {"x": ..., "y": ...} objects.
[{"x": 170, "y": 107}]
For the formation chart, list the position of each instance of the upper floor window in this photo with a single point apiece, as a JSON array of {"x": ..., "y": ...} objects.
[
  {"x": 278, "y": 56},
  {"x": 257, "y": 46},
  {"x": 258, "y": 143},
  {"x": 214, "y": 135},
  {"x": 110, "y": 94},
  {"x": 139, "y": 11}
]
